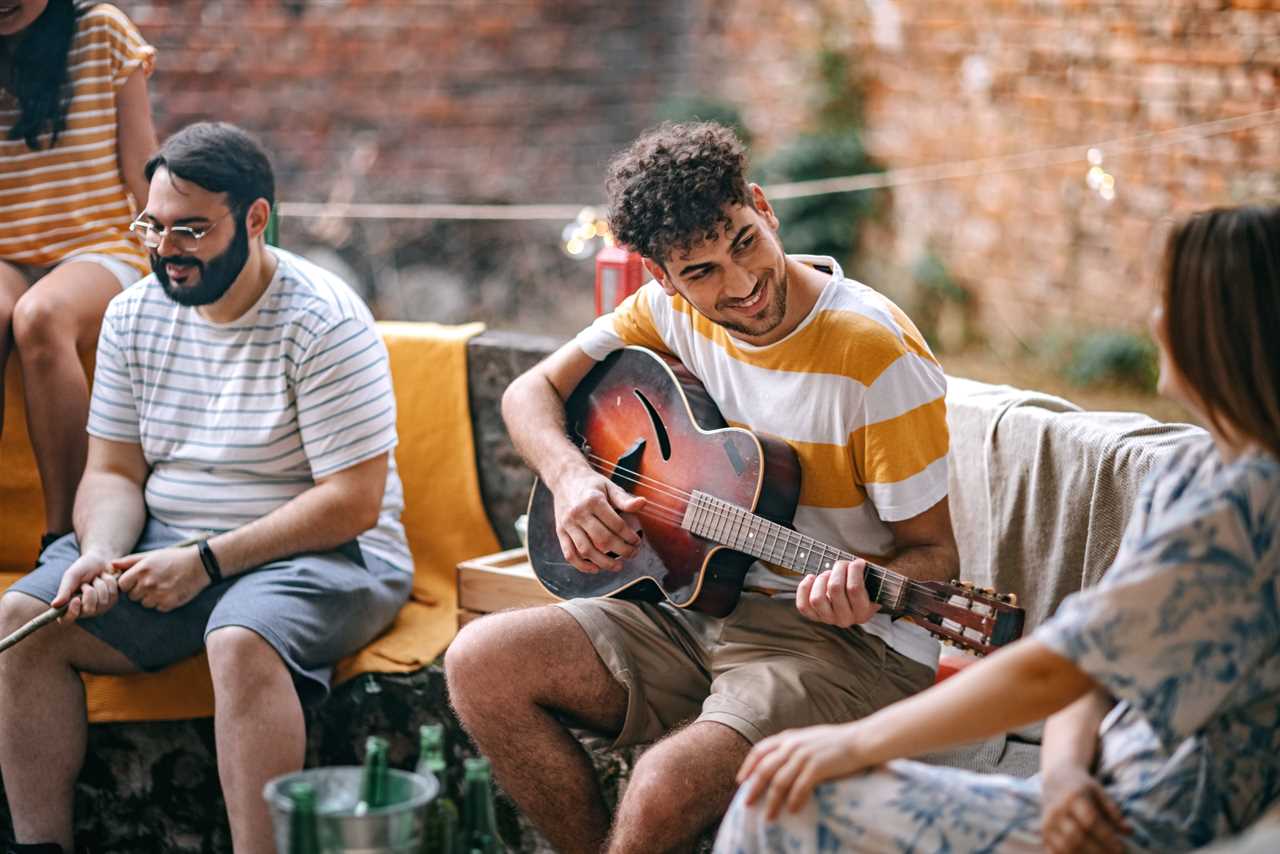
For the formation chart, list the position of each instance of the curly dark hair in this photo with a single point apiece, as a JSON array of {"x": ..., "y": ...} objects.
[{"x": 668, "y": 190}]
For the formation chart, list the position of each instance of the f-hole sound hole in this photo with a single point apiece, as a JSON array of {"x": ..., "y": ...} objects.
[{"x": 659, "y": 429}]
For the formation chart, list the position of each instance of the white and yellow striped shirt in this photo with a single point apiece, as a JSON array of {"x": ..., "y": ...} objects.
[
  {"x": 853, "y": 389},
  {"x": 71, "y": 199}
]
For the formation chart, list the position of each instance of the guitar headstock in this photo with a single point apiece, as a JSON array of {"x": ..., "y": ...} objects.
[{"x": 975, "y": 618}]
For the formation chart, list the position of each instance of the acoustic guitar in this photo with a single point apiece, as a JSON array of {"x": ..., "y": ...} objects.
[{"x": 718, "y": 498}]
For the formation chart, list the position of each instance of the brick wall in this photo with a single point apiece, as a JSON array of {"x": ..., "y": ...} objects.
[
  {"x": 428, "y": 101},
  {"x": 523, "y": 100},
  {"x": 958, "y": 79}
]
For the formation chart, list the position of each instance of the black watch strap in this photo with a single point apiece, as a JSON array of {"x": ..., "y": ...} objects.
[{"x": 210, "y": 561}]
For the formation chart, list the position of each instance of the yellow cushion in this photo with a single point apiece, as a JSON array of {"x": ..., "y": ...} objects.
[
  {"x": 21, "y": 502},
  {"x": 444, "y": 519}
]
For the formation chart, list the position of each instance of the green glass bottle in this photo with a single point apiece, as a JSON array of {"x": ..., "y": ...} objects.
[
  {"x": 304, "y": 829},
  {"x": 374, "y": 782},
  {"x": 440, "y": 834},
  {"x": 479, "y": 823}
]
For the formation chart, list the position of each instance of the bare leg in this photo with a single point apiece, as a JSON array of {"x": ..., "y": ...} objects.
[
  {"x": 258, "y": 726},
  {"x": 42, "y": 718},
  {"x": 513, "y": 677},
  {"x": 680, "y": 787},
  {"x": 53, "y": 322},
  {"x": 12, "y": 286}
]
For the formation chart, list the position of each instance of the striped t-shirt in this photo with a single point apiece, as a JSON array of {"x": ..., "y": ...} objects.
[
  {"x": 71, "y": 199},
  {"x": 237, "y": 418},
  {"x": 853, "y": 389}
]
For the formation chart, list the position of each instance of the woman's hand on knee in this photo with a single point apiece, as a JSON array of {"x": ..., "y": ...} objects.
[
  {"x": 1078, "y": 814},
  {"x": 785, "y": 768}
]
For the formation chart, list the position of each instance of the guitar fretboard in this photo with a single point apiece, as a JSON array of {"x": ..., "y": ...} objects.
[{"x": 741, "y": 530}]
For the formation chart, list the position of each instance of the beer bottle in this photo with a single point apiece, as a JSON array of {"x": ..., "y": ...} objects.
[
  {"x": 441, "y": 831},
  {"x": 304, "y": 831},
  {"x": 479, "y": 824},
  {"x": 374, "y": 782}
]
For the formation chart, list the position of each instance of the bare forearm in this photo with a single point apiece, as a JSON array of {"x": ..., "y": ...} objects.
[
  {"x": 1071, "y": 735},
  {"x": 135, "y": 136},
  {"x": 927, "y": 563},
  {"x": 319, "y": 520},
  {"x": 534, "y": 416},
  {"x": 109, "y": 514},
  {"x": 1021, "y": 684}
]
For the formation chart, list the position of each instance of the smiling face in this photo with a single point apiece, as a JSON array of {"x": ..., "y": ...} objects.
[
  {"x": 17, "y": 15},
  {"x": 738, "y": 280},
  {"x": 203, "y": 276}
]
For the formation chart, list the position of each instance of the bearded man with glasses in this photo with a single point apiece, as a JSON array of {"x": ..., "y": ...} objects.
[{"x": 241, "y": 395}]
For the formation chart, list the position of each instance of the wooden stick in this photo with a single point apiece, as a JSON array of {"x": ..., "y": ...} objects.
[{"x": 54, "y": 613}]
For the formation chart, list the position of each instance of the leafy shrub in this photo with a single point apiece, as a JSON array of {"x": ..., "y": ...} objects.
[{"x": 1113, "y": 356}]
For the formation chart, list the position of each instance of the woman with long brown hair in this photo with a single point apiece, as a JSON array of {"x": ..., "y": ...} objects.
[
  {"x": 75, "y": 133},
  {"x": 1161, "y": 684}
]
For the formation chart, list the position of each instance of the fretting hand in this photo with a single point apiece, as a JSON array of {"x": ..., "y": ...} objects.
[{"x": 838, "y": 596}]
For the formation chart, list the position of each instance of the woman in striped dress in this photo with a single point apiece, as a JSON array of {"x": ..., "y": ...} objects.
[{"x": 75, "y": 132}]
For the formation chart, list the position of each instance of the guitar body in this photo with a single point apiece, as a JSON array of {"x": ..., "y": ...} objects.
[{"x": 638, "y": 411}]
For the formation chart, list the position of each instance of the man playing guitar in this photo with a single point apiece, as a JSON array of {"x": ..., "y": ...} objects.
[{"x": 784, "y": 345}]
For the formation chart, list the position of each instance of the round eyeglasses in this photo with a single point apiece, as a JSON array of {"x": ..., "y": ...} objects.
[{"x": 184, "y": 238}]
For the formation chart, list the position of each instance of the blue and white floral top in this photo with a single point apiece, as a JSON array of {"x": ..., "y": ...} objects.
[{"x": 1184, "y": 631}]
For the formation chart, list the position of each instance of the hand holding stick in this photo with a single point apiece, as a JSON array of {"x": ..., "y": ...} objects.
[{"x": 54, "y": 613}]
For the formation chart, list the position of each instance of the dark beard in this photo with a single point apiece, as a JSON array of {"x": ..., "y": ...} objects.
[
  {"x": 217, "y": 275},
  {"x": 777, "y": 308}
]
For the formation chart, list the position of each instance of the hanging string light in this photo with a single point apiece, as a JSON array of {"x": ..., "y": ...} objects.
[
  {"x": 583, "y": 237},
  {"x": 1098, "y": 179}
]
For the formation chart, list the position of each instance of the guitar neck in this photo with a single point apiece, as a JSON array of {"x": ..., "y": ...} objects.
[{"x": 741, "y": 530}]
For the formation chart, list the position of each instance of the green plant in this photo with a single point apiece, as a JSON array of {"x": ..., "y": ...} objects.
[
  {"x": 939, "y": 304},
  {"x": 826, "y": 224},
  {"x": 933, "y": 277},
  {"x": 1112, "y": 356},
  {"x": 704, "y": 108}
]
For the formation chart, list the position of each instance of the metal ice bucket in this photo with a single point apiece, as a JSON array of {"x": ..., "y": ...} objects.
[{"x": 393, "y": 829}]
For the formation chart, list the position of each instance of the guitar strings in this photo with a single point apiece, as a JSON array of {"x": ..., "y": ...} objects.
[
  {"x": 896, "y": 585},
  {"x": 672, "y": 514},
  {"x": 885, "y": 577},
  {"x": 896, "y": 582}
]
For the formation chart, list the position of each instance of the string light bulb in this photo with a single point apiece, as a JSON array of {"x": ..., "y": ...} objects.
[
  {"x": 583, "y": 237},
  {"x": 1099, "y": 179}
]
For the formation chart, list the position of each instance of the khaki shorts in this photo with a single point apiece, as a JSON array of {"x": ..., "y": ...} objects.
[{"x": 762, "y": 669}]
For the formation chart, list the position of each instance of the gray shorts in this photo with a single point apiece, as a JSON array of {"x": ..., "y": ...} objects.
[
  {"x": 312, "y": 608},
  {"x": 762, "y": 669}
]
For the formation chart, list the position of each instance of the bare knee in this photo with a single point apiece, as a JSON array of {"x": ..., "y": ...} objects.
[
  {"x": 240, "y": 659},
  {"x": 477, "y": 660},
  {"x": 17, "y": 609},
  {"x": 40, "y": 328},
  {"x": 36, "y": 654}
]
